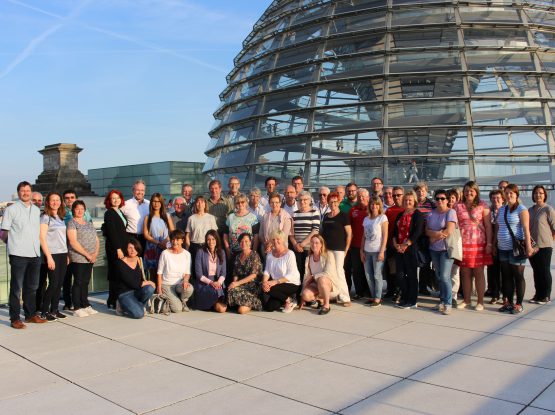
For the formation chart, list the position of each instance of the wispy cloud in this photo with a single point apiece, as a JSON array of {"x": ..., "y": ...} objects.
[{"x": 35, "y": 42}]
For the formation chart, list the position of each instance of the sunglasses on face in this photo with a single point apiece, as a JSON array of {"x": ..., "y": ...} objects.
[{"x": 440, "y": 198}]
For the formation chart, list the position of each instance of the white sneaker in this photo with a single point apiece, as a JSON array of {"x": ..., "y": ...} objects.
[
  {"x": 119, "y": 310},
  {"x": 80, "y": 312},
  {"x": 289, "y": 306},
  {"x": 91, "y": 310}
]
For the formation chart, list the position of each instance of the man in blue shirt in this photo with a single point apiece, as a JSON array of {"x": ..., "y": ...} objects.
[{"x": 20, "y": 230}]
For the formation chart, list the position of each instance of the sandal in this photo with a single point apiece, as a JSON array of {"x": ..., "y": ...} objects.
[{"x": 323, "y": 311}]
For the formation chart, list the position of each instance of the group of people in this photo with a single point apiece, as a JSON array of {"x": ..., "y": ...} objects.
[{"x": 271, "y": 251}]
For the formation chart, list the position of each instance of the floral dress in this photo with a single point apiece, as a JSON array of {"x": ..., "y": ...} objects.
[
  {"x": 248, "y": 294},
  {"x": 473, "y": 234}
]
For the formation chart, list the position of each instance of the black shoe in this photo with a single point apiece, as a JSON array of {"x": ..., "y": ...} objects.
[
  {"x": 543, "y": 301},
  {"x": 60, "y": 315},
  {"x": 49, "y": 317},
  {"x": 356, "y": 297},
  {"x": 68, "y": 308},
  {"x": 487, "y": 293},
  {"x": 323, "y": 311}
]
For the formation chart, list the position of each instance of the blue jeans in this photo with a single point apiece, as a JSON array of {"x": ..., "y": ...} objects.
[
  {"x": 24, "y": 278},
  {"x": 373, "y": 270},
  {"x": 133, "y": 303},
  {"x": 442, "y": 265}
]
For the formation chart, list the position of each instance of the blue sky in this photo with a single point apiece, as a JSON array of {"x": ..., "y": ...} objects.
[{"x": 130, "y": 81}]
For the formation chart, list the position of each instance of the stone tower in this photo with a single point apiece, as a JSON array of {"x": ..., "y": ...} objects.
[{"x": 61, "y": 171}]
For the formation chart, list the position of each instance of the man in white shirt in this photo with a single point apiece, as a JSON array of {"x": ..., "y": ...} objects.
[
  {"x": 321, "y": 205},
  {"x": 136, "y": 210},
  {"x": 290, "y": 201}
]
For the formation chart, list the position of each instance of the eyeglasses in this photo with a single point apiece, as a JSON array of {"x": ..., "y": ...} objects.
[
  {"x": 179, "y": 204},
  {"x": 397, "y": 195},
  {"x": 440, "y": 198},
  {"x": 323, "y": 194}
]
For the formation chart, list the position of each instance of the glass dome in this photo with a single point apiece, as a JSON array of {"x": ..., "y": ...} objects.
[{"x": 346, "y": 90}]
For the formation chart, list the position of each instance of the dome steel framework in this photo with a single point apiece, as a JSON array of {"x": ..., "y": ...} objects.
[{"x": 350, "y": 89}]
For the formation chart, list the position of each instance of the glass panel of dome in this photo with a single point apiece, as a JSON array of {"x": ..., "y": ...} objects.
[
  {"x": 341, "y": 145},
  {"x": 211, "y": 144},
  {"x": 504, "y": 85},
  {"x": 346, "y": 118},
  {"x": 358, "y": 22},
  {"x": 425, "y": 86},
  {"x": 296, "y": 55},
  {"x": 507, "y": 113},
  {"x": 426, "y": 113},
  {"x": 283, "y": 151},
  {"x": 243, "y": 110},
  {"x": 259, "y": 65},
  {"x": 424, "y": 62},
  {"x": 496, "y": 60},
  {"x": 430, "y": 169},
  {"x": 349, "y": 92},
  {"x": 346, "y": 6},
  {"x": 514, "y": 169},
  {"x": 542, "y": 17},
  {"x": 283, "y": 124},
  {"x": 510, "y": 141},
  {"x": 357, "y": 44},
  {"x": 302, "y": 34},
  {"x": 292, "y": 77},
  {"x": 288, "y": 101},
  {"x": 282, "y": 171},
  {"x": 352, "y": 67},
  {"x": 544, "y": 39},
  {"x": 424, "y": 38},
  {"x": 241, "y": 132},
  {"x": 495, "y": 37},
  {"x": 550, "y": 85},
  {"x": 541, "y": 2},
  {"x": 489, "y": 14},
  {"x": 249, "y": 88},
  {"x": 426, "y": 140},
  {"x": 233, "y": 156},
  {"x": 547, "y": 61},
  {"x": 398, "y": 2},
  {"x": 331, "y": 173},
  {"x": 310, "y": 14},
  {"x": 422, "y": 16},
  {"x": 208, "y": 164}
]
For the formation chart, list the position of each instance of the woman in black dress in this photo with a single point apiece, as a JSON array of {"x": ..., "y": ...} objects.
[{"x": 116, "y": 239}]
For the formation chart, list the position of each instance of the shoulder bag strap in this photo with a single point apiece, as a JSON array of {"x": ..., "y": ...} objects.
[
  {"x": 142, "y": 268},
  {"x": 507, "y": 223}
]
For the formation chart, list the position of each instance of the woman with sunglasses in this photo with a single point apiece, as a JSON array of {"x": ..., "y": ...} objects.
[{"x": 440, "y": 224}]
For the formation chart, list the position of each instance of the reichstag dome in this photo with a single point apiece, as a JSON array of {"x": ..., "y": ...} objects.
[{"x": 351, "y": 89}]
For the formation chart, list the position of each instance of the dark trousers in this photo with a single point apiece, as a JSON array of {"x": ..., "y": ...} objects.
[
  {"x": 41, "y": 289},
  {"x": 407, "y": 278},
  {"x": 193, "y": 249},
  {"x": 300, "y": 257},
  {"x": 230, "y": 262},
  {"x": 23, "y": 282},
  {"x": 66, "y": 289},
  {"x": 81, "y": 278},
  {"x": 426, "y": 278},
  {"x": 513, "y": 277},
  {"x": 277, "y": 295},
  {"x": 354, "y": 272},
  {"x": 389, "y": 272},
  {"x": 541, "y": 265},
  {"x": 112, "y": 279},
  {"x": 55, "y": 282},
  {"x": 494, "y": 278}
]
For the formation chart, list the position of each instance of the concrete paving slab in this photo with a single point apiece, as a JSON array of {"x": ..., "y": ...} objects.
[
  {"x": 87, "y": 361},
  {"x": 384, "y": 356},
  {"x": 189, "y": 318},
  {"x": 239, "y": 326},
  {"x": 326, "y": 385},
  {"x": 302, "y": 339},
  {"x": 409, "y": 397},
  {"x": 545, "y": 312},
  {"x": 547, "y": 399},
  {"x": 486, "y": 321},
  {"x": 436, "y": 337},
  {"x": 502, "y": 380},
  {"x": 7, "y": 356},
  {"x": 239, "y": 399},
  {"x": 22, "y": 377},
  {"x": 531, "y": 352},
  {"x": 240, "y": 360},
  {"x": 59, "y": 399},
  {"x": 153, "y": 386},
  {"x": 175, "y": 341},
  {"x": 535, "y": 411},
  {"x": 531, "y": 329}
]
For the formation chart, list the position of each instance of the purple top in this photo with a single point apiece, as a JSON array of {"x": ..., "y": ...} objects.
[{"x": 438, "y": 221}]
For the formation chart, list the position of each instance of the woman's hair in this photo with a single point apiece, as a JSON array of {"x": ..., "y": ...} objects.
[
  {"x": 241, "y": 197},
  {"x": 539, "y": 186},
  {"x": 471, "y": 184},
  {"x": 279, "y": 234},
  {"x": 163, "y": 212},
  {"x": 334, "y": 195},
  {"x": 107, "y": 202},
  {"x": 200, "y": 198},
  {"x": 61, "y": 212},
  {"x": 375, "y": 200},
  {"x": 274, "y": 195},
  {"x": 324, "y": 252},
  {"x": 177, "y": 234},
  {"x": 243, "y": 236},
  {"x": 497, "y": 192},
  {"x": 305, "y": 193},
  {"x": 78, "y": 202},
  {"x": 255, "y": 191},
  {"x": 219, "y": 251},
  {"x": 411, "y": 193},
  {"x": 513, "y": 188},
  {"x": 136, "y": 244}
]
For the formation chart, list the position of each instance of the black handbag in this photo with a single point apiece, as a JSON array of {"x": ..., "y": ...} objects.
[{"x": 519, "y": 245}]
